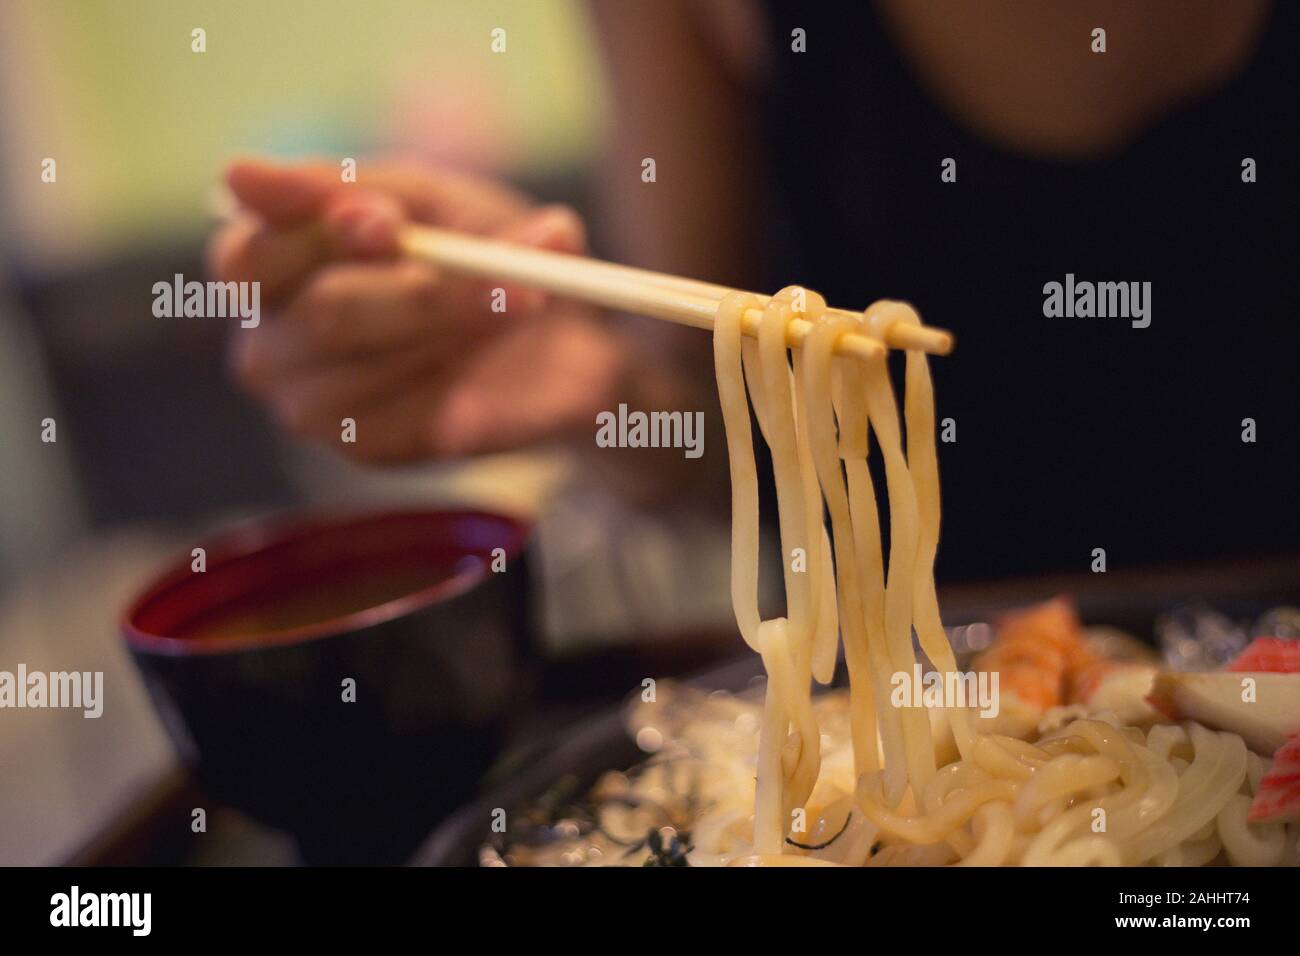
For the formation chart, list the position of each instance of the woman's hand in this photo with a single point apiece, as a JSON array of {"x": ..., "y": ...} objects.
[{"x": 418, "y": 359}]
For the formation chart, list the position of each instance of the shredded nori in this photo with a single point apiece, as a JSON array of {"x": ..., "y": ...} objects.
[{"x": 822, "y": 846}]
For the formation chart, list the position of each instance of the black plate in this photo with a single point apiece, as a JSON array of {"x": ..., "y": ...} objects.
[{"x": 591, "y": 748}]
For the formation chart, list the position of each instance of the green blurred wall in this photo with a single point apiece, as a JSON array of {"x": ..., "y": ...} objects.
[{"x": 140, "y": 125}]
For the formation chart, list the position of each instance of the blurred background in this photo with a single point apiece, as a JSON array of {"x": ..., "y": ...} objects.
[{"x": 156, "y": 447}]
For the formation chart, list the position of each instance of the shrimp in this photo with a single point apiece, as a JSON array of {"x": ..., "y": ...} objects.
[{"x": 1035, "y": 651}]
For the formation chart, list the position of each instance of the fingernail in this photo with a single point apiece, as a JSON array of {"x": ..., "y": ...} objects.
[
  {"x": 367, "y": 232},
  {"x": 365, "y": 229}
]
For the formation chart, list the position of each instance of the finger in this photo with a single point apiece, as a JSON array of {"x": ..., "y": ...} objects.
[
  {"x": 397, "y": 430},
  {"x": 555, "y": 228},
  {"x": 283, "y": 194},
  {"x": 361, "y": 226},
  {"x": 486, "y": 412},
  {"x": 453, "y": 200},
  {"x": 287, "y": 194},
  {"x": 260, "y": 358},
  {"x": 362, "y": 219},
  {"x": 315, "y": 402},
  {"x": 359, "y": 308},
  {"x": 355, "y": 310},
  {"x": 278, "y": 259},
  {"x": 365, "y": 221},
  {"x": 366, "y": 225}
]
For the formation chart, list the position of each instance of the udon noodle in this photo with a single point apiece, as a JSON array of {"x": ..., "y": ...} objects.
[
  {"x": 1091, "y": 791},
  {"x": 848, "y": 777}
]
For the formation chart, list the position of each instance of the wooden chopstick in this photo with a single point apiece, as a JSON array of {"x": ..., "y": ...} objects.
[
  {"x": 684, "y": 301},
  {"x": 922, "y": 338}
]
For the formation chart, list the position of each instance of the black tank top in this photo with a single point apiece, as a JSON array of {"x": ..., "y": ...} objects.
[{"x": 1071, "y": 433}]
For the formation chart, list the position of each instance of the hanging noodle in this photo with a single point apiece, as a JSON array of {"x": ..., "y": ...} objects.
[
  {"x": 849, "y": 778},
  {"x": 1091, "y": 792}
]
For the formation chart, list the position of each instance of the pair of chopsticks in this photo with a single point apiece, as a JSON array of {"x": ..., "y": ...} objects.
[
  {"x": 684, "y": 301},
  {"x": 656, "y": 294}
]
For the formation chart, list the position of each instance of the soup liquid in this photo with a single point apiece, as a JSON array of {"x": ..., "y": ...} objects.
[{"x": 313, "y": 602}]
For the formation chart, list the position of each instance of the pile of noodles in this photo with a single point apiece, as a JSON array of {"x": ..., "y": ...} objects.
[{"x": 1173, "y": 795}]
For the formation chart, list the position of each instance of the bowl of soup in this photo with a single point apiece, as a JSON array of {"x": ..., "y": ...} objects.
[{"x": 345, "y": 677}]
